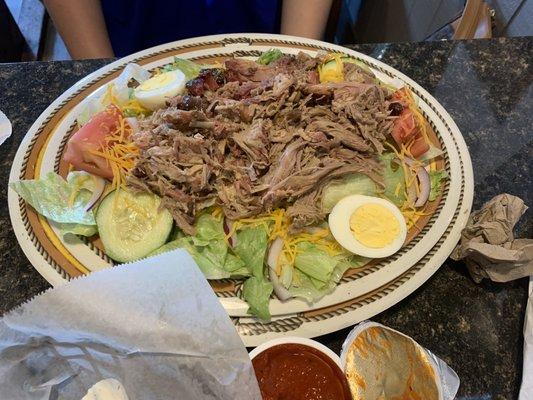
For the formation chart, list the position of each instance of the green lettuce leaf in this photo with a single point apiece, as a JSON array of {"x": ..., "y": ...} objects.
[
  {"x": 209, "y": 249},
  {"x": 314, "y": 262},
  {"x": 311, "y": 289},
  {"x": 269, "y": 56},
  {"x": 189, "y": 68},
  {"x": 303, "y": 287},
  {"x": 251, "y": 248},
  {"x": 436, "y": 178},
  {"x": 62, "y": 202},
  {"x": 209, "y": 228},
  {"x": 76, "y": 229},
  {"x": 348, "y": 185},
  {"x": 180, "y": 243},
  {"x": 392, "y": 176},
  {"x": 345, "y": 264},
  {"x": 256, "y": 292},
  {"x": 235, "y": 266},
  {"x": 208, "y": 260}
]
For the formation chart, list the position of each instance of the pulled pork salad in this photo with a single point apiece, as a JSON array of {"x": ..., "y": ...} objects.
[{"x": 283, "y": 172}]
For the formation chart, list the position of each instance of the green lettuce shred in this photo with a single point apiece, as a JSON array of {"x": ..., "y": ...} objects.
[
  {"x": 235, "y": 266},
  {"x": 251, "y": 248},
  {"x": 346, "y": 186},
  {"x": 269, "y": 56},
  {"x": 393, "y": 176},
  {"x": 189, "y": 68},
  {"x": 436, "y": 178}
]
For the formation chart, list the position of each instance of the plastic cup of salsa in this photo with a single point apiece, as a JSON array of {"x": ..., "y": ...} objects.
[{"x": 299, "y": 368}]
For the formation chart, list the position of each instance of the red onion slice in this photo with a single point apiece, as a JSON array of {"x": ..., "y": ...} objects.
[
  {"x": 99, "y": 187},
  {"x": 425, "y": 182},
  {"x": 411, "y": 195},
  {"x": 228, "y": 226},
  {"x": 273, "y": 254},
  {"x": 282, "y": 293},
  {"x": 425, "y": 187}
]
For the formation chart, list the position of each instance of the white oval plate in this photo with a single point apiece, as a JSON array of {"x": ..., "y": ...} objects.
[{"x": 359, "y": 296}]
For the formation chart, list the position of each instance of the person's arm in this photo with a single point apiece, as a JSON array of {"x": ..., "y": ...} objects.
[
  {"x": 81, "y": 24},
  {"x": 305, "y": 18}
]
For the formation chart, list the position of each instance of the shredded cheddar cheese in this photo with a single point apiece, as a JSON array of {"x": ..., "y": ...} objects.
[
  {"x": 119, "y": 151},
  {"x": 133, "y": 106},
  {"x": 331, "y": 73},
  {"x": 217, "y": 212},
  {"x": 411, "y": 214},
  {"x": 109, "y": 95}
]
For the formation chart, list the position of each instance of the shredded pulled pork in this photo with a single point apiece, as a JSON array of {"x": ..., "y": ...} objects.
[{"x": 251, "y": 138}]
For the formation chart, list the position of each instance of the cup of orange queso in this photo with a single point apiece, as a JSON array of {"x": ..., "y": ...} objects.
[{"x": 376, "y": 362}]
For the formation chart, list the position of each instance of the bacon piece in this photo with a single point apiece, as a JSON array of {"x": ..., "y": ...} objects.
[{"x": 208, "y": 80}]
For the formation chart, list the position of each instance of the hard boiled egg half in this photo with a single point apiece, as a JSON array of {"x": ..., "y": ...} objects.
[
  {"x": 368, "y": 226},
  {"x": 154, "y": 92}
]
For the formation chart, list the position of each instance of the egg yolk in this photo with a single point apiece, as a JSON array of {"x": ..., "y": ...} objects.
[
  {"x": 157, "y": 81},
  {"x": 375, "y": 226}
]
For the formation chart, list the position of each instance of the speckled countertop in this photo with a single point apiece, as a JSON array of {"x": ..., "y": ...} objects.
[{"x": 486, "y": 86}]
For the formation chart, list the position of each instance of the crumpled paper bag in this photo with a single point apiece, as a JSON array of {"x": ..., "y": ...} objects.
[
  {"x": 488, "y": 246},
  {"x": 154, "y": 325}
]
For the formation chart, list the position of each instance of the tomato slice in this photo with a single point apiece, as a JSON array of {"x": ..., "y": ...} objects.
[
  {"x": 400, "y": 94},
  {"x": 405, "y": 129},
  {"x": 91, "y": 137},
  {"x": 419, "y": 146}
]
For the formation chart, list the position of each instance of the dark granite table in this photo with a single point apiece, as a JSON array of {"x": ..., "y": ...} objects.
[{"x": 486, "y": 87}]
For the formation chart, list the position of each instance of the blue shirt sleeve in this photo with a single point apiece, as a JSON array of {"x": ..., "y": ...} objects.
[{"x": 134, "y": 25}]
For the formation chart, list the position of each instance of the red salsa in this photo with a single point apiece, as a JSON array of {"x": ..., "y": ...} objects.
[{"x": 299, "y": 372}]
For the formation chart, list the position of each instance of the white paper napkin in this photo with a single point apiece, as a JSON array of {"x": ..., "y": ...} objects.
[
  {"x": 154, "y": 325},
  {"x": 5, "y": 127}
]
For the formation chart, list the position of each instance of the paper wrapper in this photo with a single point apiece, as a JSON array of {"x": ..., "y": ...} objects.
[
  {"x": 381, "y": 363},
  {"x": 488, "y": 246},
  {"x": 526, "y": 390},
  {"x": 154, "y": 325}
]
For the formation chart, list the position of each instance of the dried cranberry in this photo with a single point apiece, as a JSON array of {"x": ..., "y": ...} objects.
[{"x": 395, "y": 109}]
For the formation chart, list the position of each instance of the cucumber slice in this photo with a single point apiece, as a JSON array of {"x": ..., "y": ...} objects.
[
  {"x": 360, "y": 64},
  {"x": 131, "y": 226}
]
